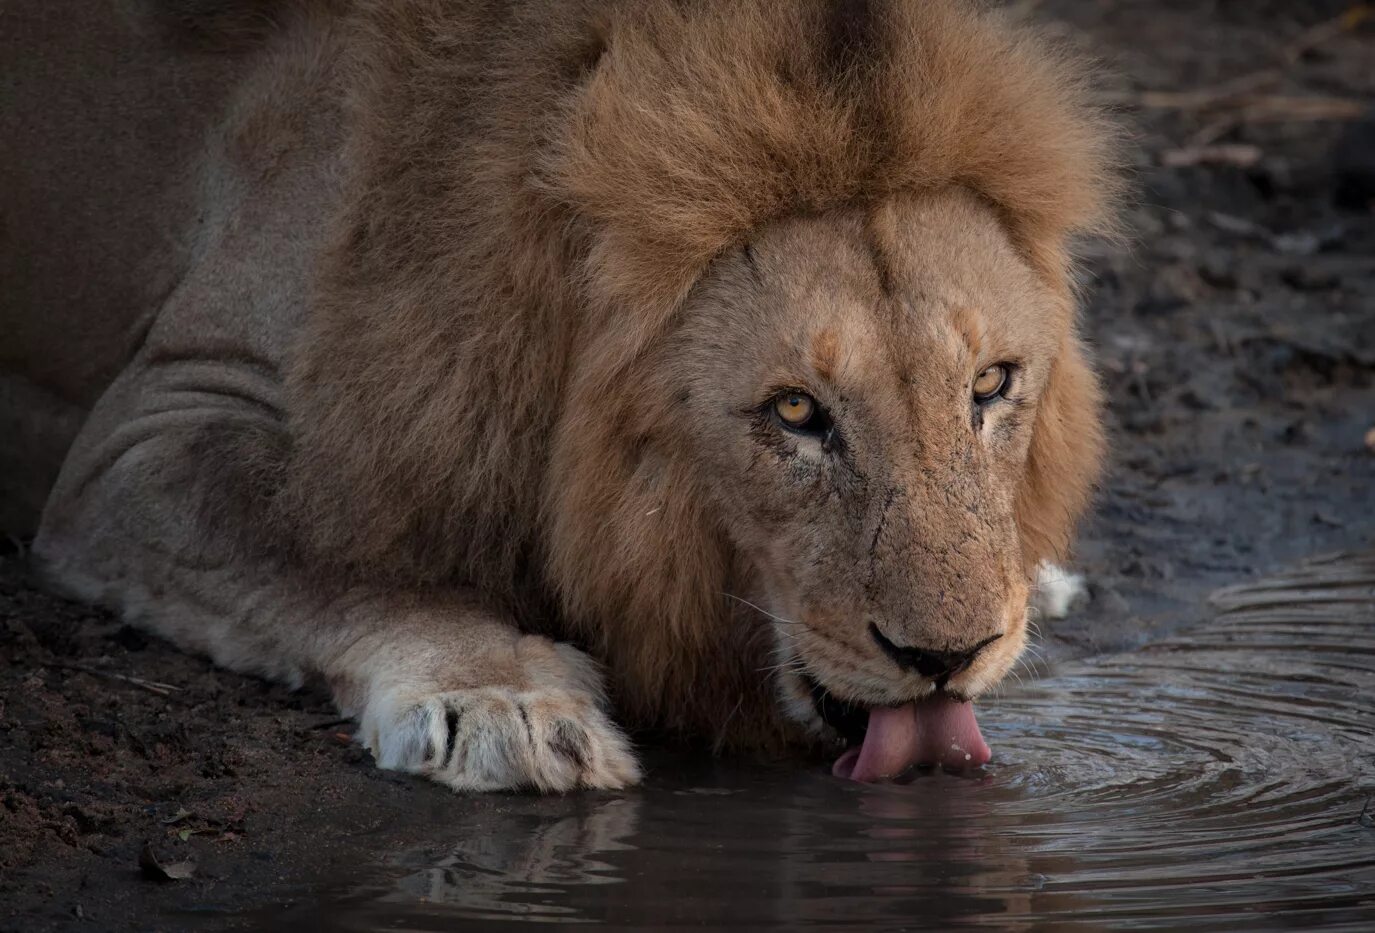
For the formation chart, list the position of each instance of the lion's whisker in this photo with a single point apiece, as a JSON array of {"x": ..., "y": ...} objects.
[
  {"x": 1032, "y": 661},
  {"x": 766, "y": 612},
  {"x": 792, "y": 665}
]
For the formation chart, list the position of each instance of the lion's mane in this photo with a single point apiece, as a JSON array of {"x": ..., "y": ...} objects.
[{"x": 534, "y": 187}]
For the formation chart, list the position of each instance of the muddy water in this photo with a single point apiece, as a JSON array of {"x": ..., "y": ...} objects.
[{"x": 1214, "y": 780}]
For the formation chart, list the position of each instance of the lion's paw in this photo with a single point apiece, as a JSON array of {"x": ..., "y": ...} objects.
[
  {"x": 1057, "y": 591},
  {"x": 498, "y": 738}
]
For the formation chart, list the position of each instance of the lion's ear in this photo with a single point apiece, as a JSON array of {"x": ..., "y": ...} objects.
[{"x": 1065, "y": 458}]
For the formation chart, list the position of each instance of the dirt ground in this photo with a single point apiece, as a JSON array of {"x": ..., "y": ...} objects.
[{"x": 1236, "y": 335}]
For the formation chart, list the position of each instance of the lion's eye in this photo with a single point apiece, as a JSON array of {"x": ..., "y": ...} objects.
[
  {"x": 990, "y": 383},
  {"x": 795, "y": 408},
  {"x": 799, "y": 413}
]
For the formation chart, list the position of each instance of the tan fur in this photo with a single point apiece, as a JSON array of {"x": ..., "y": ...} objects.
[
  {"x": 589, "y": 217},
  {"x": 572, "y": 243}
]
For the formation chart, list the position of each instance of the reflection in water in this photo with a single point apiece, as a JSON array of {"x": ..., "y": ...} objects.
[
  {"x": 520, "y": 862},
  {"x": 1218, "y": 778}
]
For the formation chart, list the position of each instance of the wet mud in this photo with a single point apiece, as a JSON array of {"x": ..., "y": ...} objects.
[{"x": 1165, "y": 759}]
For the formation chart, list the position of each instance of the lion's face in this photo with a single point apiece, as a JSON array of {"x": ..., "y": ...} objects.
[{"x": 862, "y": 389}]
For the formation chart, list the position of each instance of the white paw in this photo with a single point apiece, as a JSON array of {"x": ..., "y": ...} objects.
[
  {"x": 499, "y": 738},
  {"x": 1057, "y": 591}
]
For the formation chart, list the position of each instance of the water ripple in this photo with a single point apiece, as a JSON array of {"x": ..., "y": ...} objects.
[{"x": 1217, "y": 780}]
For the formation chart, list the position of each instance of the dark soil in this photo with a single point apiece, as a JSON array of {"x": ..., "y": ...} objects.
[{"x": 1236, "y": 334}]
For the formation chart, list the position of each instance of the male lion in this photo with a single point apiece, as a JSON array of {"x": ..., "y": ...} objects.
[{"x": 731, "y": 341}]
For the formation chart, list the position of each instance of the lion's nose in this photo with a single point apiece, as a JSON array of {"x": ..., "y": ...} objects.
[{"x": 929, "y": 662}]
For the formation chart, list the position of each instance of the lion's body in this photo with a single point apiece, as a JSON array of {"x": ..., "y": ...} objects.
[{"x": 372, "y": 298}]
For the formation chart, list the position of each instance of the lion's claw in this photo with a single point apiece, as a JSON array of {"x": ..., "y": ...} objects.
[{"x": 498, "y": 738}]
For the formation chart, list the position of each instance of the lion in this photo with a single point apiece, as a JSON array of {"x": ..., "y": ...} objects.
[{"x": 532, "y": 375}]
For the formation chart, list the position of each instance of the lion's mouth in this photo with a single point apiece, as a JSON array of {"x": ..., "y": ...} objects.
[{"x": 885, "y": 742}]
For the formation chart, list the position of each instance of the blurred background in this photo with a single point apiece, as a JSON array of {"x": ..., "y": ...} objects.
[{"x": 1236, "y": 327}]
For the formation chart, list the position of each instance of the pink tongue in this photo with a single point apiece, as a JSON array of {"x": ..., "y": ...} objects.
[{"x": 935, "y": 731}]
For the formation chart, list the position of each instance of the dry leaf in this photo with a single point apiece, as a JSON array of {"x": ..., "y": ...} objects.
[{"x": 156, "y": 871}]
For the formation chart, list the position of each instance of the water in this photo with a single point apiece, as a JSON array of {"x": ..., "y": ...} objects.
[{"x": 1216, "y": 780}]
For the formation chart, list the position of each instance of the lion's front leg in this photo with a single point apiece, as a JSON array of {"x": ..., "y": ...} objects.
[
  {"x": 479, "y": 706},
  {"x": 149, "y": 517},
  {"x": 1057, "y": 590}
]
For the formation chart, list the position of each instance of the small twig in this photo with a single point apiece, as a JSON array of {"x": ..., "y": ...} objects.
[
  {"x": 1204, "y": 98},
  {"x": 1256, "y": 106},
  {"x": 1241, "y": 155},
  {"x": 1315, "y": 36},
  {"x": 152, "y": 686},
  {"x": 1279, "y": 109},
  {"x": 1212, "y": 131},
  {"x": 1239, "y": 100},
  {"x": 1295, "y": 108}
]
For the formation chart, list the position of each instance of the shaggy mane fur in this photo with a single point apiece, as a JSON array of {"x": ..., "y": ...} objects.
[{"x": 534, "y": 189}]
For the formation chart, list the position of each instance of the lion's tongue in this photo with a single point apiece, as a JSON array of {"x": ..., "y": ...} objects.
[{"x": 935, "y": 731}]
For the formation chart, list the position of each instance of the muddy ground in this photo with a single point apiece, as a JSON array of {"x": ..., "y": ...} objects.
[{"x": 1236, "y": 335}]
